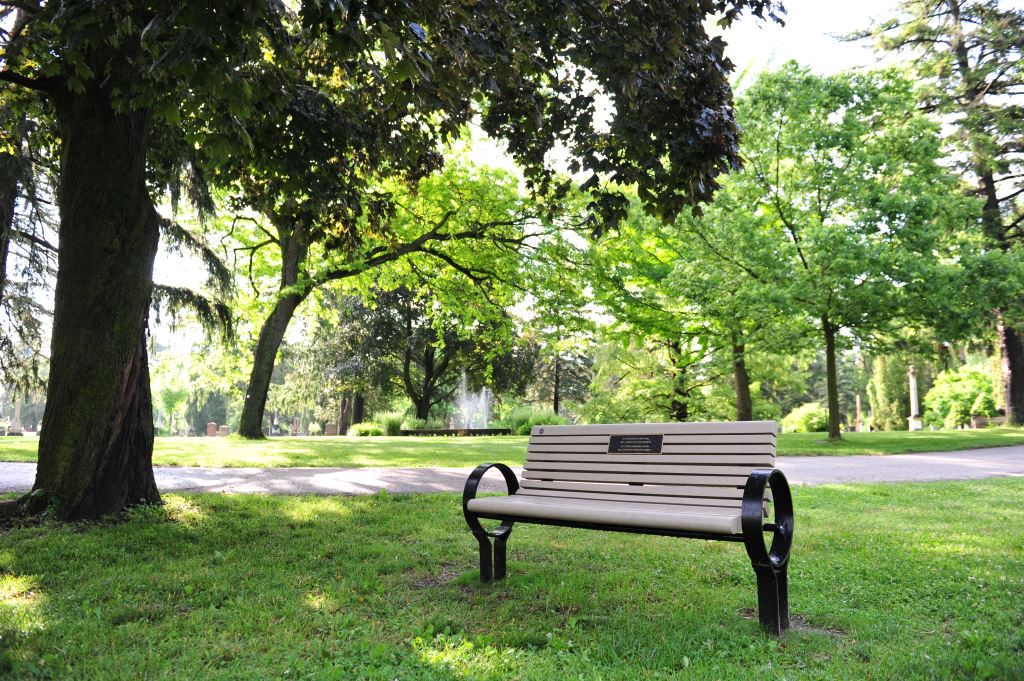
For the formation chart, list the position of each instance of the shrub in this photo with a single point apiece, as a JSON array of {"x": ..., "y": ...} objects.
[
  {"x": 521, "y": 420},
  {"x": 984, "y": 404},
  {"x": 413, "y": 423},
  {"x": 807, "y": 418},
  {"x": 955, "y": 395},
  {"x": 390, "y": 422},
  {"x": 364, "y": 429},
  {"x": 314, "y": 428}
]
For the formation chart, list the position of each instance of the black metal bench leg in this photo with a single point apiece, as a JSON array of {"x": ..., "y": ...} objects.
[
  {"x": 486, "y": 563},
  {"x": 499, "y": 556},
  {"x": 768, "y": 608},
  {"x": 782, "y": 584}
]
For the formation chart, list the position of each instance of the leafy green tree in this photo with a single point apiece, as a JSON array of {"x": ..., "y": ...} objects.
[
  {"x": 807, "y": 418},
  {"x": 630, "y": 384},
  {"x": 429, "y": 219},
  {"x": 969, "y": 58},
  {"x": 951, "y": 400},
  {"x": 632, "y": 277},
  {"x": 27, "y": 253},
  {"x": 889, "y": 393},
  {"x": 140, "y": 90},
  {"x": 654, "y": 280},
  {"x": 112, "y": 73},
  {"x": 840, "y": 214},
  {"x": 557, "y": 278}
]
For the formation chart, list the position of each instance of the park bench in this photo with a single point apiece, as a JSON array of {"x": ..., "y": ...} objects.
[{"x": 713, "y": 481}]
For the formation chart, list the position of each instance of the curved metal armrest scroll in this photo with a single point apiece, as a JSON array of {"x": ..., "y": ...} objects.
[
  {"x": 469, "y": 492},
  {"x": 753, "y": 518}
]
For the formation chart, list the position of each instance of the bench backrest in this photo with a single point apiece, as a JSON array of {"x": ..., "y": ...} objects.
[{"x": 701, "y": 464}]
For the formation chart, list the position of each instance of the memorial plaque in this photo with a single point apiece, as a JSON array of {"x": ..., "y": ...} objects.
[{"x": 634, "y": 444}]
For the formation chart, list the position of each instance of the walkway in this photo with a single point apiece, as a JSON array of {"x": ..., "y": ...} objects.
[{"x": 806, "y": 470}]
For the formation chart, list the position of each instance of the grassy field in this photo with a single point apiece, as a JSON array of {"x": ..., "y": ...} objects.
[
  {"x": 469, "y": 451},
  {"x": 911, "y": 581}
]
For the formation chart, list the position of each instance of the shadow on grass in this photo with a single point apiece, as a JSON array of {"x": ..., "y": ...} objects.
[{"x": 386, "y": 587}]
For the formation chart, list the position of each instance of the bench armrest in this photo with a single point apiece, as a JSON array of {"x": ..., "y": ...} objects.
[
  {"x": 469, "y": 493},
  {"x": 753, "y": 518}
]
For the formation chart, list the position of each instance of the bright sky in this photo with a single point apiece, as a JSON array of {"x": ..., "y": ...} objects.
[{"x": 807, "y": 37}]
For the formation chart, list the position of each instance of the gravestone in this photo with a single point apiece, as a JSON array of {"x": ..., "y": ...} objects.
[
  {"x": 211, "y": 429},
  {"x": 331, "y": 429},
  {"x": 15, "y": 427},
  {"x": 914, "y": 422},
  {"x": 222, "y": 431}
]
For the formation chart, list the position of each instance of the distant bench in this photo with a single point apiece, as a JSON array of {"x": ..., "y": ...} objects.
[
  {"x": 986, "y": 421},
  {"x": 697, "y": 480}
]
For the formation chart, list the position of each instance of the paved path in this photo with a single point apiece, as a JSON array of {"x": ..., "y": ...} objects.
[{"x": 807, "y": 470}]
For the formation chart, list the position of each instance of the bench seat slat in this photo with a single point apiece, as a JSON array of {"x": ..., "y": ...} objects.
[
  {"x": 750, "y": 460},
  {"x": 670, "y": 439},
  {"x": 735, "y": 427},
  {"x": 643, "y": 499},
  {"x": 713, "y": 480},
  {"x": 661, "y": 516},
  {"x": 644, "y": 468},
  {"x": 665, "y": 449},
  {"x": 639, "y": 490},
  {"x": 722, "y": 502}
]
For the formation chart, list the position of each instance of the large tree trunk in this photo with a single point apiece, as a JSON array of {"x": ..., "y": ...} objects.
[
  {"x": 8, "y": 201},
  {"x": 271, "y": 335},
  {"x": 1012, "y": 351},
  {"x": 358, "y": 408},
  {"x": 344, "y": 411},
  {"x": 96, "y": 446},
  {"x": 832, "y": 378},
  {"x": 556, "y": 402},
  {"x": 679, "y": 404},
  {"x": 744, "y": 406},
  {"x": 422, "y": 407},
  {"x": 294, "y": 246}
]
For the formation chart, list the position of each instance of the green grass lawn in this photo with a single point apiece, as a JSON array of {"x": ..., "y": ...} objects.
[
  {"x": 909, "y": 581},
  {"x": 469, "y": 451}
]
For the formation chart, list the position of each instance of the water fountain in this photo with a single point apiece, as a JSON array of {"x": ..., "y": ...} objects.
[
  {"x": 473, "y": 410},
  {"x": 472, "y": 414}
]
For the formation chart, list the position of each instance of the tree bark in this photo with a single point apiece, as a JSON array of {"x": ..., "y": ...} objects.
[
  {"x": 555, "y": 401},
  {"x": 426, "y": 392},
  {"x": 294, "y": 246},
  {"x": 679, "y": 405},
  {"x": 1011, "y": 346},
  {"x": 269, "y": 342},
  {"x": 344, "y": 418},
  {"x": 96, "y": 446},
  {"x": 832, "y": 378},
  {"x": 744, "y": 405},
  {"x": 8, "y": 201},
  {"x": 358, "y": 408}
]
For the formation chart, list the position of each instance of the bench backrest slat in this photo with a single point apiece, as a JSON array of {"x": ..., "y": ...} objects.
[{"x": 700, "y": 464}]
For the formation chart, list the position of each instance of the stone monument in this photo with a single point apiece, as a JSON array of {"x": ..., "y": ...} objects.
[
  {"x": 15, "y": 428},
  {"x": 915, "y": 422}
]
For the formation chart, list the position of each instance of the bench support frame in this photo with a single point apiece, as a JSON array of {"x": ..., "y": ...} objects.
[
  {"x": 770, "y": 564},
  {"x": 492, "y": 560}
]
